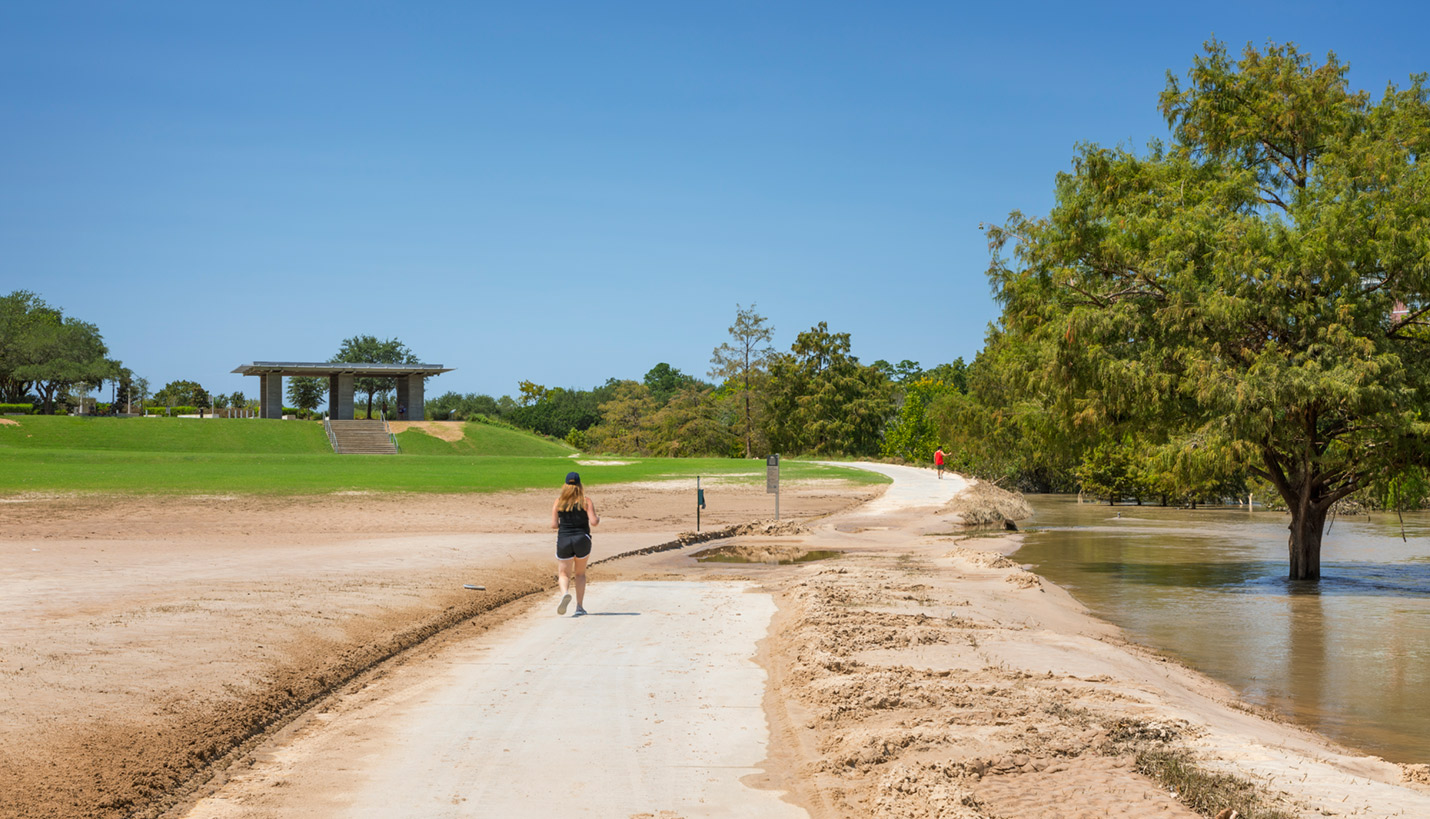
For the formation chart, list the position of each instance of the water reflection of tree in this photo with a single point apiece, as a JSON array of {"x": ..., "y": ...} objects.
[{"x": 1307, "y": 670}]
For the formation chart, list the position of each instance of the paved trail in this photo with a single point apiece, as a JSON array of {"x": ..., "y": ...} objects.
[{"x": 651, "y": 703}]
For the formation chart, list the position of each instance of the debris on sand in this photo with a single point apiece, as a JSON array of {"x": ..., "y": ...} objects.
[
  {"x": 992, "y": 560},
  {"x": 978, "y": 557},
  {"x": 771, "y": 527},
  {"x": 983, "y": 504}
]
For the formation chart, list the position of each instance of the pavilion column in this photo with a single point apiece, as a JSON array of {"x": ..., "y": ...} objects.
[
  {"x": 340, "y": 396},
  {"x": 263, "y": 395},
  {"x": 410, "y": 392},
  {"x": 272, "y": 399}
]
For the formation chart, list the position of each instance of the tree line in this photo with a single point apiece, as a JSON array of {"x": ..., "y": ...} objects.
[{"x": 817, "y": 398}]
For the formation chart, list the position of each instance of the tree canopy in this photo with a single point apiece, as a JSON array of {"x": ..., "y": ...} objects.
[
  {"x": 743, "y": 361},
  {"x": 372, "y": 350},
  {"x": 1258, "y": 287},
  {"x": 43, "y": 350},
  {"x": 822, "y": 400}
]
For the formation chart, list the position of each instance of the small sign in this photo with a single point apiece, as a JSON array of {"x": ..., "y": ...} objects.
[{"x": 772, "y": 475}]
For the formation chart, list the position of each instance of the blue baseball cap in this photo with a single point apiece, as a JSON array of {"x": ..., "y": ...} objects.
[{"x": 573, "y": 477}]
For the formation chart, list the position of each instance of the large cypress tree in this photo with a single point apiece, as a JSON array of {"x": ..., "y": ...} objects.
[{"x": 1259, "y": 285}]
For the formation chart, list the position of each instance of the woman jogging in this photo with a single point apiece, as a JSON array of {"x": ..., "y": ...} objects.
[{"x": 572, "y": 516}]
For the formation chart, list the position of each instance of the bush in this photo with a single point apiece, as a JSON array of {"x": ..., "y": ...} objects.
[{"x": 17, "y": 409}]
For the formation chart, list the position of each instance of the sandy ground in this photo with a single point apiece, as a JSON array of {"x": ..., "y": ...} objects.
[
  {"x": 143, "y": 640},
  {"x": 917, "y": 674}
]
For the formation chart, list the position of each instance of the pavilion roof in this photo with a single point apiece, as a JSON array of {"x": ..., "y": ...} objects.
[{"x": 329, "y": 368}]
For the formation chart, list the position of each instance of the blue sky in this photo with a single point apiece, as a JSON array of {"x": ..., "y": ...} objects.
[{"x": 570, "y": 192}]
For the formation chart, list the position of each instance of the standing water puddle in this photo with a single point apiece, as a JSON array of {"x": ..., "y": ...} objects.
[
  {"x": 1348, "y": 656},
  {"x": 771, "y": 553}
]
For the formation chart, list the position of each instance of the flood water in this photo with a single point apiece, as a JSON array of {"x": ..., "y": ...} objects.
[{"x": 1348, "y": 656}]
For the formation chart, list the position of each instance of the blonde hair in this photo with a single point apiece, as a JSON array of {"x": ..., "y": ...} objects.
[{"x": 572, "y": 498}]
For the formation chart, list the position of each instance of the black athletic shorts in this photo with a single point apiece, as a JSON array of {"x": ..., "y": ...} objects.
[{"x": 576, "y": 544}]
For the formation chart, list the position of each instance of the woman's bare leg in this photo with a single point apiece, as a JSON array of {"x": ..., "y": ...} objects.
[
  {"x": 563, "y": 575},
  {"x": 580, "y": 568}
]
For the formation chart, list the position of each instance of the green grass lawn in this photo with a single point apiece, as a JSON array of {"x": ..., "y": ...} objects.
[
  {"x": 46, "y": 454},
  {"x": 164, "y": 434}
]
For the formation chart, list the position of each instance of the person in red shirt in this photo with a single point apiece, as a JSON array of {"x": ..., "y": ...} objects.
[{"x": 938, "y": 461}]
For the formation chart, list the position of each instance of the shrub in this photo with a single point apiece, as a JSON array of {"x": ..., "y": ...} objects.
[{"x": 17, "y": 409}]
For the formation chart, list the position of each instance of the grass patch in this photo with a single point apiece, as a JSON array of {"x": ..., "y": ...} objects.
[
  {"x": 480, "y": 439},
  {"x": 1205, "y": 792},
  {"x": 1156, "y": 756}
]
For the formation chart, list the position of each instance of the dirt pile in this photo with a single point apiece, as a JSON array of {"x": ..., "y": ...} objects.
[
  {"x": 777, "y": 553},
  {"x": 983, "y": 504},
  {"x": 899, "y": 687},
  {"x": 771, "y": 527}
]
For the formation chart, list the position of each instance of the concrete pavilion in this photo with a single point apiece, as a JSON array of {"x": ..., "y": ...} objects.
[{"x": 340, "y": 375}]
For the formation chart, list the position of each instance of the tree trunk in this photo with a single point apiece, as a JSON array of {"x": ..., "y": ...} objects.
[
  {"x": 1307, "y": 523},
  {"x": 748, "y": 431}
]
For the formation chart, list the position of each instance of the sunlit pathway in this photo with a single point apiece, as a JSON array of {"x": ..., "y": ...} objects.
[
  {"x": 913, "y": 488},
  {"x": 652, "y": 702}
]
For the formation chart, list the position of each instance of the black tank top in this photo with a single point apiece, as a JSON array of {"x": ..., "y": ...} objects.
[{"x": 574, "y": 521}]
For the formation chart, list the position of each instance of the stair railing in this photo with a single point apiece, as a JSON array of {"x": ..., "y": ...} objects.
[
  {"x": 390, "y": 436},
  {"x": 332, "y": 437}
]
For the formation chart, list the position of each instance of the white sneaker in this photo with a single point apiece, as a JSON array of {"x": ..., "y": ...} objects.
[
  {"x": 565, "y": 601},
  {"x": 580, "y": 612}
]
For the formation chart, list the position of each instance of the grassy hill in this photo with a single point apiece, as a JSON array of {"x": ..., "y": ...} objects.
[
  {"x": 189, "y": 456},
  {"x": 164, "y": 434}
]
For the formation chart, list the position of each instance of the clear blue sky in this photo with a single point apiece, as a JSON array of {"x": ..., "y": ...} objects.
[{"x": 570, "y": 192}]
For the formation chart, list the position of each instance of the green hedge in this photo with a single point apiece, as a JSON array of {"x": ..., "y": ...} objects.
[
  {"x": 175, "y": 410},
  {"x": 17, "y": 409}
]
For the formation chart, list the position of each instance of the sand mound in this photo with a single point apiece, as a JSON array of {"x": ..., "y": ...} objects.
[
  {"x": 987, "y": 560},
  {"x": 984, "y": 504},
  {"x": 6, "y": 422},
  {"x": 757, "y": 552},
  {"x": 450, "y": 431},
  {"x": 771, "y": 527}
]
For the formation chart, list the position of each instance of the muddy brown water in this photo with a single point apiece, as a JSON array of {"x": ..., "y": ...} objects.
[{"x": 1348, "y": 656}]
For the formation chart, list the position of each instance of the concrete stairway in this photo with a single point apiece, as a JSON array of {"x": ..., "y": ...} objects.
[{"x": 361, "y": 438}]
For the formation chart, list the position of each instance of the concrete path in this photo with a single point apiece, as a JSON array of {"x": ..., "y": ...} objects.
[
  {"x": 913, "y": 488},
  {"x": 652, "y": 702}
]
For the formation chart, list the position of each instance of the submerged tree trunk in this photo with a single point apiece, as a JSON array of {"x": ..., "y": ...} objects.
[{"x": 1304, "y": 544}]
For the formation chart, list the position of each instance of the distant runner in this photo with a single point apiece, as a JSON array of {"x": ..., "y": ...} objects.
[
  {"x": 938, "y": 461},
  {"x": 572, "y": 516}
]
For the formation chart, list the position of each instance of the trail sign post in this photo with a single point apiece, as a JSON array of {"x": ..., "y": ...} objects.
[
  {"x": 699, "y": 502},
  {"x": 772, "y": 480}
]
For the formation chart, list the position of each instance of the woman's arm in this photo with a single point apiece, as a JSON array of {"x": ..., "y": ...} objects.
[
  {"x": 592, "y": 518},
  {"x": 555, "y": 521}
]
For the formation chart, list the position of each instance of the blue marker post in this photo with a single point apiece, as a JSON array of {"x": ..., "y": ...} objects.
[{"x": 699, "y": 502}]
